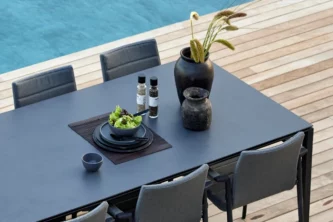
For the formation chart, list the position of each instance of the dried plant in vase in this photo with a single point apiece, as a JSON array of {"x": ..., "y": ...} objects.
[
  {"x": 221, "y": 22},
  {"x": 194, "y": 68}
]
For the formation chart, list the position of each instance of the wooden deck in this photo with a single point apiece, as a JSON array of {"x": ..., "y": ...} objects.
[{"x": 284, "y": 49}]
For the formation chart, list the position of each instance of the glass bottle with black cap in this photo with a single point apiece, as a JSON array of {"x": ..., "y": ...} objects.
[
  {"x": 141, "y": 93},
  {"x": 153, "y": 98}
]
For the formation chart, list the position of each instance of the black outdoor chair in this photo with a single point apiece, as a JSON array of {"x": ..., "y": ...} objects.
[
  {"x": 259, "y": 174},
  {"x": 130, "y": 58},
  {"x": 177, "y": 201},
  {"x": 43, "y": 86}
]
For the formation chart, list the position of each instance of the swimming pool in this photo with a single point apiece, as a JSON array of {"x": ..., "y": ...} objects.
[{"x": 33, "y": 31}]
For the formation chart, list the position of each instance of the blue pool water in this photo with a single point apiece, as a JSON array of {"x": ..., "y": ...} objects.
[{"x": 33, "y": 31}]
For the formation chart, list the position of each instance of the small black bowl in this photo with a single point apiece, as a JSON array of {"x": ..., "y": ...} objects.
[
  {"x": 92, "y": 161},
  {"x": 124, "y": 132}
]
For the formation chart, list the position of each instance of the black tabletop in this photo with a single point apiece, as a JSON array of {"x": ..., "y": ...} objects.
[{"x": 40, "y": 156}]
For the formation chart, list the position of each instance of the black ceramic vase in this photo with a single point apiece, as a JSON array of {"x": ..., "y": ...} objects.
[
  {"x": 196, "y": 109},
  {"x": 190, "y": 74}
]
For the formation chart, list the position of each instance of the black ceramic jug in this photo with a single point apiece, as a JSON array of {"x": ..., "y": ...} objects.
[{"x": 196, "y": 109}]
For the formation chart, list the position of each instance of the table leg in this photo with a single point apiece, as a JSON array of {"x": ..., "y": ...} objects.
[{"x": 307, "y": 167}]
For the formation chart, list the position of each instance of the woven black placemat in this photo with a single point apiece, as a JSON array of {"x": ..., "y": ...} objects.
[{"x": 85, "y": 129}]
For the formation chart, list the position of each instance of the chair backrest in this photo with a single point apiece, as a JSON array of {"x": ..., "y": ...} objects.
[
  {"x": 177, "y": 201},
  {"x": 129, "y": 59},
  {"x": 96, "y": 215},
  {"x": 266, "y": 172},
  {"x": 43, "y": 86}
]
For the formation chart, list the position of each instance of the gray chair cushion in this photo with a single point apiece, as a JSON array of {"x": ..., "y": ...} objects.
[
  {"x": 43, "y": 86},
  {"x": 96, "y": 215},
  {"x": 129, "y": 59},
  {"x": 177, "y": 201}
]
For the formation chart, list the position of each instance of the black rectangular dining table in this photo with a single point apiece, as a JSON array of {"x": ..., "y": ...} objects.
[{"x": 41, "y": 174}]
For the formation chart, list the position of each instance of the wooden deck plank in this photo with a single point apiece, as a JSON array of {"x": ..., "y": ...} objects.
[
  {"x": 89, "y": 77},
  {"x": 91, "y": 83},
  {"x": 294, "y": 74},
  {"x": 322, "y": 157},
  {"x": 312, "y": 107},
  {"x": 323, "y": 124},
  {"x": 317, "y": 207},
  {"x": 290, "y": 204},
  {"x": 319, "y": 115},
  {"x": 243, "y": 72},
  {"x": 238, "y": 68},
  {"x": 309, "y": 98},
  {"x": 322, "y": 168},
  {"x": 6, "y": 109},
  {"x": 298, "y": 83},
  {"x": 323, "y": 135},
  {"x": 301, "y": 91},
  {"x": 323, "y": 146},
  {"x": 6, "y": 93},
  {"x": 302, "y": 63},
  {"x": 275, "y": 40},
  {"x": 279, "y": 31},
  {"x": 323, "y": 216},
  {"x": 6, "y": 102},
  {"x": 319, "y": 48}
]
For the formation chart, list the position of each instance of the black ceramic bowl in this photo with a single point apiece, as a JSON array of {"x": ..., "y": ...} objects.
[
  {"x": 124, "y": 132},
  {"x": 92, "y": 161}
]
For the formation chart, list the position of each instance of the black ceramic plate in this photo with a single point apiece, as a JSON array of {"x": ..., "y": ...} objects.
[
  {"x": 120, "y": 146},
  {"x": 105, "y": 131},
  {"x": 121, "y": 149},
  {"x": 111, "y": 149}
]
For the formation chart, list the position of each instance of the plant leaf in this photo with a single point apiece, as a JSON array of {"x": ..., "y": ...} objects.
[
  {"x": 227, "y": 21},
  {"x": 225, "y": 43},
  {"x": 223, "y": 13},
  {"x": 201, "y": 52},
  {"x": 237, "y": 15},
  {"x": 194, "y": 51},
  {"x": 231, "y": 28}
]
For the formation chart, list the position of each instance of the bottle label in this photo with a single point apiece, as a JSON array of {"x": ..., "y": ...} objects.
[
  {"x": 153, "y": 101},
  {"x": 140, "y": 99}
]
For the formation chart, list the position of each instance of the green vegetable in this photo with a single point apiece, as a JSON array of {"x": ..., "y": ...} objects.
[
  {"x": 137, "y": 120},
  {"x": 117, "y": 111},
  {"x": 113, "y": 118},
  {"x": 121, "y": 119}
]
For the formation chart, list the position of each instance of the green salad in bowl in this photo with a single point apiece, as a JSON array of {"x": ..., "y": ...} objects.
[{"x": 123, "y": 123}]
